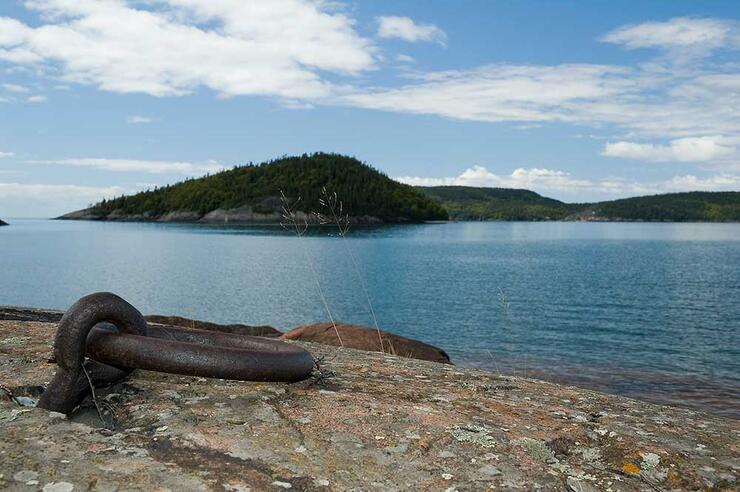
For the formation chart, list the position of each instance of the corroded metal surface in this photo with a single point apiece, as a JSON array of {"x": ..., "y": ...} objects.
[
  {"x": 68, "y": 385},
  {"x": 117, "y": 339}
]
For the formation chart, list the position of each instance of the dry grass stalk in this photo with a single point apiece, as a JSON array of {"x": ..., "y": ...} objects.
[
  {"x": 337, "y": 216},
  {"x": 291, "y": 222}
]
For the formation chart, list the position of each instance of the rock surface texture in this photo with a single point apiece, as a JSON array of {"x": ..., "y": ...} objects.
[
  {"x": 364, "y": 338},
  {"x": 365, "y": 421}
]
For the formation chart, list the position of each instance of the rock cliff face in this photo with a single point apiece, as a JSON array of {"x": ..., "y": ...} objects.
[{"x": 365, "y": 421}]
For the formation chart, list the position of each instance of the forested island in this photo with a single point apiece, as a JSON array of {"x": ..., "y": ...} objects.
[
  {"x": 252, "y": 194},
  {"x": 3, "y": 223}
]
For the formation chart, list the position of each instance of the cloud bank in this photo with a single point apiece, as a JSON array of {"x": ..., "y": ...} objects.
[
  {"x": 563, "y": 183},
  {"x": 134, "y": 165}
]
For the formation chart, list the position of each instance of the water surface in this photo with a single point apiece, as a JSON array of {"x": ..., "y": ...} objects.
[{"x": 644, "y": 310}]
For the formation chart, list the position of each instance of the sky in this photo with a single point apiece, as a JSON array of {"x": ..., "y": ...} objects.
[{"x": 579, "y": 101}]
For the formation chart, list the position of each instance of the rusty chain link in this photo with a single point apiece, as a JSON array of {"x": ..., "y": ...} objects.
[{"x": 116, "y": 339}]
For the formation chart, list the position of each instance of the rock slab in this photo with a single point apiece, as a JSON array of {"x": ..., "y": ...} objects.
[{"x": 364, "y": 421}]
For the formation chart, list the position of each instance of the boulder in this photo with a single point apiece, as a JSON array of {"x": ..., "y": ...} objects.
[
  {"x": 256, "y": 331},
  {"x": 364, "y": 338}
]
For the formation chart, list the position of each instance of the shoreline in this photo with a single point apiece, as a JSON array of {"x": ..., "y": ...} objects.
[
  {"x": 687, "y": 391},
  {"x": 381, "y": 224},
  {"x": 372, "y": 417}
]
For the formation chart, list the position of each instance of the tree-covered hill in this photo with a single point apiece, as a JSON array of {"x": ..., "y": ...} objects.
[
  {"x": 469, "y": 203},
  {"x": 251, "y": 193},
  {"x": 695, "y": 206},
  {"x": 3, "y": 223}
]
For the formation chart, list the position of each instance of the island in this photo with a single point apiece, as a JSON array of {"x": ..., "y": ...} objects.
[
  {"x": 3, "y": 223},
  {"x": 252, "y": 194}
]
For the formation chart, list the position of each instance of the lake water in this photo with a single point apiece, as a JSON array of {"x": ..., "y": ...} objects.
[{"x": 645, "y": 310}]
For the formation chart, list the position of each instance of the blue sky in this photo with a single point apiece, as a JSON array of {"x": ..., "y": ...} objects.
[{"x": 576, "y": 100}]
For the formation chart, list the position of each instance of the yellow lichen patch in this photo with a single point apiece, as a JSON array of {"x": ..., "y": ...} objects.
[{"x": 631, "y": 468}]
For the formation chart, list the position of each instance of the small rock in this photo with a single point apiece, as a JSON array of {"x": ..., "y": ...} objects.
[
  {"x": 25, "y": 401},
  {"x": 447, "y": 476},
  {"x": 489, "y": 471},
  {"x": 25, "y": 475},
  {"x": 284, "y": 485},
  {"x": 575, "y": 485},
  {"x": 58, "y": 487}
]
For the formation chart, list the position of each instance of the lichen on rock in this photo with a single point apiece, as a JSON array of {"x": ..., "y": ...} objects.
[{"x": 372, "y": 421}]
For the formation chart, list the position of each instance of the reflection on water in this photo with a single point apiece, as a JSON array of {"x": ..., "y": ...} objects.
[{"x": 645, "y": 310}]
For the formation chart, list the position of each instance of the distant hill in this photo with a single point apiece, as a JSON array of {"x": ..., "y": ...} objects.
[
  {"x": 469, "y": 203},
  {"x": 251, "y": 193},
  {"x": 695, "y": 206}
]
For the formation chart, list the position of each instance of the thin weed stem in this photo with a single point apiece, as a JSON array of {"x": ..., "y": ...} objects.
[
  {"x": 341, "y": 219},
  {"x": 291, "y": 223}
]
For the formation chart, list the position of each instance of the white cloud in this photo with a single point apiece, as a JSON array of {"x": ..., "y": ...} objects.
[
  {"x": 401, "y": 58},
  {"x": 720, "y": 182},
  {"x": 683, "y": 35},
  {"x": 172, "y": 47},
  {"x": 49, "y": 200},
  {"x": 406, "y": 29},
  {"x": 479, "y": 176},
  {"x": 134, "y": 165},
  {"x": 37, "y": 99},
  {"x": 503, "y": 92},
  {"x": 695, "y": 149},
  {"x": 562, "y": 183},
  {"x": 15, "y": 88},
  {"x": 56, "y": 191},
  {"x": 6, "y": 154},
  {"x": 138, "y": 120}
]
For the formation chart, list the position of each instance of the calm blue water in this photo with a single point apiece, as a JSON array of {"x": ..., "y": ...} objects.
[{"x": 647, "y": 310}]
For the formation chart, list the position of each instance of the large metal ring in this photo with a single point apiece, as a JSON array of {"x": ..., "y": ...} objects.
[
  {"x": 128, "y": 343},
  {"x": 72, "y": 380}
]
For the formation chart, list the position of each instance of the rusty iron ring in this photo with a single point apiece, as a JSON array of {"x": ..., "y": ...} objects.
[
  {"x": 117, "y": 339},
  {"x": 191, "y": 352},
  {"x": 71, "y": 382}
]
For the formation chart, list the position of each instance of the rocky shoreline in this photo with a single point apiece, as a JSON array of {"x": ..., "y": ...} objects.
[
  {"x": 243, "y": 215},
  {"x": 364, "y": 421}
]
